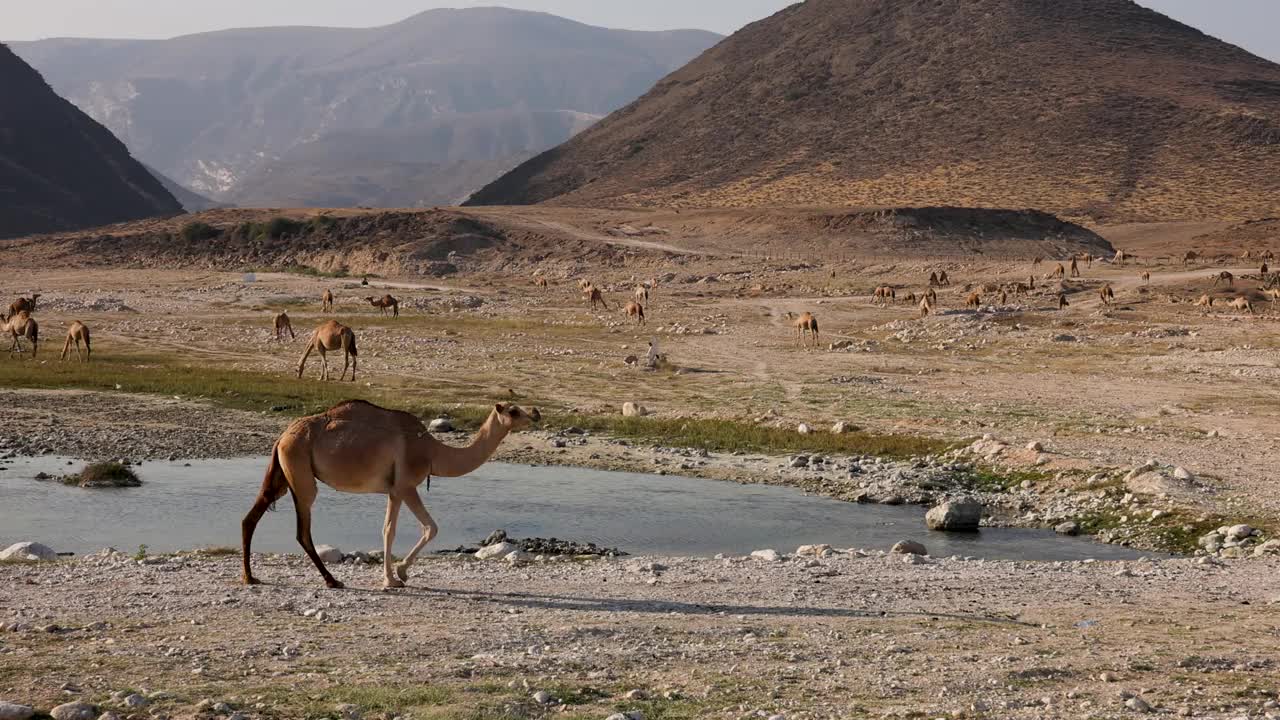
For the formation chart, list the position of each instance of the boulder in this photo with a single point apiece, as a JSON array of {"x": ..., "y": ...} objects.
[
  {"x": 14, "y": 711},
  {"x": 74, "y": 711},
  {"x": 1239, "y": 532},
  {"x": 766, "y": 555},
  {"x": 909, "y": 547},
  {"x": 499, "y": 550},
  {"x": 630, "y": 409},
  {"x": 441, "y": 425},
  {"x": 955, "y": 516},
  {"x": 28, "y": 551},
  {"x": 1068, "y": 528},
  {"x": 1181, "y": 473},
  {"x": 804, "y": 429},
  {"x": 841, "y": 427},
  {"x": 1035, "y": 446},
  {"x": 329, "y": 553},
  {"x": 814, "y": 551}
]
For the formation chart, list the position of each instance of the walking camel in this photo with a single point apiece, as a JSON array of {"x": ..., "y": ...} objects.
[
  {"x": 804, "y": 325},
  {"x": 943, "y": 279},
  {"x": 326, "y": 302},
  {"x": 884, "y": 294},
  {"x": 358, "y": 447},
  {"x": 27, "y": 305},
  {"x": 1205, "y": 301},
  {"x": 1059, "y": 272},
  {"x": 595, "y": 297},
  {"x": 283, "y": 325},
  {"x": 20, "y": 325},
  {"x": 642, "y": 294},
  {"x": 1063, "y": 303},
  {"x": 933, "y": 279},
  {"x": 1242, "y": 304},
  {"x": 635, "y": 310},
  {"x": 1107, "y": 295},
  {"x": 1075, "y": 268},
  {"x": 1190, "y": 257},
  {"x": 1146, "y": 276},
  {"x": 384, "y": 302},
  {"x": 78, "y": 333},
  {"x": 974, "y": 300},
  {"x": 540, "y": 282},
  {"x": 329, "y": 337},
  {"x": 926, "y": 308}
]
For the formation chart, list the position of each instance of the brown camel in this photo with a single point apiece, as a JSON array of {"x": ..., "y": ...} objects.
[
  {"x": 357, "y": 447},
  {"x": 332, "y": 336},
  {"x": 883, "y": 294},
  {"x": 20, "y": 325},
  {"x": 326, "y": 302},
  {"x": 1242, "y": 304},
  {"x": 78, "y": 333},
  {"x": 642, "y": 294},
  {"x": 1146, "y": 276},
  {"x": 282, "y": 326},
  {"x": 635, "y": 310},
  {"x": 974, "y": 300},
  {"x": 1268, "y": 255},
  {"x": 1107, "y": 295},
  {"x": 1224, "y": 276},
  {"x": 926, "y": 308},
  {"x": 933, "y": 279},
  {"x": 911, "y": 299},
  {"x": 943, "y": 279},
  {"x": 540, "y": 282},
  {"x": 27, "y": 305},
  {"x": 1063, "y": 304},
  {"x": 1004, "y": 296},
  {"x": 595, "y": 297},
  {"x": 1205, "y": 301},
  {"x": 1075, "y": 268},
  {"x": 1031, "y": 281},
  {"x": 1037, "y": 262},
  {"x": 931, "y": 296},
  {"x": 1122, "y": 257},
  {"x": 1060, "y": 272},
  {"x": 1190, "y": 257},
  {"x": 584, "y": 285},
  {"x": 1021, "y": 289},
  {"x": 804, "y": 325},
  {"x": 1246, "y": 255},
  {"x": 1265, "y": 268},
  {"x": 384, "y": 302}
]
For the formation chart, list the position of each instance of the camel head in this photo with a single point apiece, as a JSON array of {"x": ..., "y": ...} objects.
[
  {"x": 368, "y": 299},
  {"x": 514, "y": 418}
]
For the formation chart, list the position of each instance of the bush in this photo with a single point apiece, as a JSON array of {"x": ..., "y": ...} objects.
[
  {"x": 278, "y": 227},
  {"x": 103, "y": 475},
  {"x": 196, "y": 231}
]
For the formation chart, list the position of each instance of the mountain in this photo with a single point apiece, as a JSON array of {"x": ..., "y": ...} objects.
[
  {"x": 1085, "y": 108},
  {"x": 60, "y": 170},
  {"x": 226, "y": 111},
  {"x": 190, "y": 200}
]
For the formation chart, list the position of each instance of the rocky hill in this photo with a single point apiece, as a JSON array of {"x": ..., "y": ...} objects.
[
  {"x": 1096, "y": 109},
  {"x": 60, "y": 170},
  {"x": 256, "y": 115}
]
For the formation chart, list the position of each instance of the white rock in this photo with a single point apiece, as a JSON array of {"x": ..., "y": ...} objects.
[
  {"x": 814, "y": 550},
  {"x": 542, "y": 697},
  {"x": 804, "y": 429},
  {"x": 1137, "y": 704},
  {"x": 517, "y": 558},
  {"x": 329, "y": 553},
  {"x": 440, "y": 425},
  {"x": 1182, "y": 473},
  {"x": 912, "y": 559},
  {"x": 767, "y": 555},
  {"x": 74, "y": 711},
  {"x": 1239, "y": 532},
  {"x": 635, "y": 695},
  {"x": 14, "y": 711},
  {"x": 136, "y": 701},
  {"x": 841, "y": 427},
  {"x": 630, "y": 409},
  {"x": 498, "y": 550},
  {"x": 955, "y": 516},
  {"x": 28, "y": 551}
]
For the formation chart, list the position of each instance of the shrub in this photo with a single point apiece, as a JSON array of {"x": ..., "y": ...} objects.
[
  {"x": 195, "y": 231},
  {"x": 278, "y": 227},
  {"x": 103, "y": 475}
]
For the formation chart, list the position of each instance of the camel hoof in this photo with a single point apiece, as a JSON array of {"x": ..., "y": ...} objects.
[
  {"x": 334, "y": 584},
  {"x": 403, "y": 572},
  {"x": 393, "y": 583},
  {"x": 252, "y": 581}
]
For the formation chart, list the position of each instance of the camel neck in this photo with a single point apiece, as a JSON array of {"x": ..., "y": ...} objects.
[{"x": 449, "y": 461}]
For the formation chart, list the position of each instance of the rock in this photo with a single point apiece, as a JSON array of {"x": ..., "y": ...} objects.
[
  {"x": 912, "y": 559},
  {"x": 542, "y": 697},
  {"x": 74, "y": 711},
  {"x": 766, "y": 555},
  {"x": 108, "y": 716},
  {"x": 495, "y": 537},
  {"x": 630, "y": 409},
  {"x": 136, "y": 701},
  {"x": 517, "y": 558},
  {"x": 1137, "y": 704},
  {"x": 909, "y": 547},
  {"x": 500, "y": 550},
  {"x": 1182, "y": 473},
  {"x": 441, "y": 425},
  {"x": 804, "y": 429},
  {"x": 347, "y": 711},
  {"x": 799, "y": 461},
  {"x": 1035, "y": 446},
  {"x": 1064, "y": 338},
  {"x": 329, "y": 553},
  {"x": 955, "y": 516},
  {"x": 14, "y": 711},
  {"x": 1270, "y": 547},
  {"x": 814, "y": 551},
  {"x": 1239, "y": 532},
  {"x": 1068, "y": 528},
  {"x": 28, "y": 551},
  {"x": 842, "y": 427},
  {"x": 636, "y": 695}
]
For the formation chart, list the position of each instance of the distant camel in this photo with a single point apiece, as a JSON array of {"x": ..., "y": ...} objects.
[
  {"x": 1190, "y": 257},
  {"x": 326, "y": 302},
  {"x": 1274, "y": 294},
  {"x": 357, "y": 447},
  {"x": 594, "y": 296},
  {"x": 911, "y": 299},
  {"x": 931, "y": 296},
  {"x": 933, "y": 279},
  {"x": 1063, "y": 304},
  {"x": 282, "y": 326},
  {"x": 1107, "y": 295},
  {"x": 384, "y": 302},
  {"x": 1004, "y": 296},
  {"x": 1246, "y": 255},
  {"x": 584, "y": 285},
  {"x": 642, "y": 294},
  {"x": 1037, "y": 262},
  {"x": 974, "y": 300},
  {"x": 78, "y": 333},
  {"x": 804, "y": 325},
  {"x": 926, "y": 308},
  {"x": 540, "y": 282},
  {"x": 943, "y": 279},
  {"x": 27, "y": 305},
  {"x": 1031, "y": 281},
  {"x": 1122, "y": 258},
  {"x": 1060, "y": 272},
  {"x": 885, "y": 294},
  {"x": 20, "y": 325},
  {"x": 1267, "y": 255},
  {"x": 1224, "y": 276},
  {"x": 1205, "y": 301},
  {"x": 1243, "y": 304},
  {"x": 1021, "y": 289},
  {"x": 1088, "y": 258},
  {"x": 1147, "y": 277},
  {"x": 1075, "y": 268},
  {"x": 635, "y": 310},
  {"x": 332, "y": 336},
  {"x": 1265, "y": 268}
]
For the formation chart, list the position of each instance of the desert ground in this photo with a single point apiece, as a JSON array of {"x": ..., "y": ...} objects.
[{"x": 1147, "y": 422}]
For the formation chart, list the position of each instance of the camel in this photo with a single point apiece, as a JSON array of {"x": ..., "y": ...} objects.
[
  {"x": 384, "y": 302},
  {"x": 1146, "y": 276},
  {"x": 584, "y": 285},
  {"x": 804, "y": 325},
  {"x": 595, "y": 297},
  {"x": 20, "y": 325},
  {"x": 1060, "y": 272},
  {"x": 1037, "y": 262},
  {"x": 1265, "y": 268},
  {"x": 1107, "y": 295},
  {"x": 1063, "y": 304},
  {"x": 911, "y": 299},
  {"x": 1224, "y": 276},
  {"x": 884, "y": 294},
  {"x": 642, "y": 294},
  {"x": 974, "y": 300},
  {"x": 1088, "y": 258},
  {"x": 943, "y": 279},
  {"x": 1004, "y": 297},
  {"x": 931, "y": 296},
  {"x": 926, "y": 308},
  {"x": 27, "y": 305},
  {"x": 1190, "y": 257},
  {"x": 1274, "y": 294},
  {"x": 1246, "y": 255},
  {"x": 1031, "y": 281},
  {"x": 1267, "y": 255},
  {"x": 1075, "y": 268},
  {"x": 933, "y": 279},
  {"x": 282, "y": 326},
  {"x": 540, "y": 282},
  {"x": 1205, "y": 301},
  {"x": 1242, "y": 304},
  {"x": 1122, "y": 258},
  {"x": 329, "y": 337},
  {"x": 635, "y": 310},
  {"x": 78, "y": 333},
  {"x": 1021, "y": 289},
  {"x": 326, "y": 302},
  {"x": 357, "y": 447}
]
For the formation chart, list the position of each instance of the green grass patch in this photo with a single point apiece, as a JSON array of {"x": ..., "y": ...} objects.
[
  {"x": 997, "y": 481},
  {"x": 103, "y": 475}
]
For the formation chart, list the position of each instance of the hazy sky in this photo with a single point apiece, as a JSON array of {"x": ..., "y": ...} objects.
[{"x": 1248, "y": 23}]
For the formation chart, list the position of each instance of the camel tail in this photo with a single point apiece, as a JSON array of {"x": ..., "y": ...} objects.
[
  {"x": 352, "y": 347},
  {"x": 275, "y": 483},
  {"x": 34, "y": 334}
]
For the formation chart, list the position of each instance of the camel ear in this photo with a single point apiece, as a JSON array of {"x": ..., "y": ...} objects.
[{"x": 500, "y": 408}]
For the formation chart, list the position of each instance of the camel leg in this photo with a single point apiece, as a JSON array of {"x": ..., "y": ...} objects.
[
  {"x": 388, "y": 537},
  {"x": 306, "y": 354},
  {"x": 324, "y": 363},
  {"x": 302, "y": 482},
  {"x": 66, "y": 349},
  {"x": 429, "y": 530},
  {"x": 273, "y": 488}
]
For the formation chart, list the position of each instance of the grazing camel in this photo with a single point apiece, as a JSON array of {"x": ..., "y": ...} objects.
[
  {"x": 1190, "y": 257},
  {"x": 78, "y": 333},
  {"x": 1107, "y": 295},
  {"x": 282, "y": 326},
  {"x": 1146, "y": 276},
  {"x": 384, "y": 302},
  {"x": 926, "y": 308},
  {"x": 1063, "y": 304},
  {"x": 1075, "y": 268},
  {"x": 357, "y": 447},
  {"x": 1265, "y": 268},
  {"x": 27, "y": 305},
  {"x": 911, "y": 299},
  {"x": 326, "y": 302},
  {"x": 1205, "y": 301},
  {"x": 974, "y": 300},
  {"x": 635, "y": 310},
  {"x": 1121, "y": 257},
  {"x": 804, "y": 325},
  {"x": 540, "y": 282},
  {"x": 1060, "y": 272},
  {"x": 595, "y": 297},
  {"x": 332, "y": 336},
  {"x": 1242, "y": 304},
  {"x": 1224, "y": 276},
  {"x": 884, "y": 294},
  {"x": 642, "y": 294},
  {"x": 20, "y": 325}
]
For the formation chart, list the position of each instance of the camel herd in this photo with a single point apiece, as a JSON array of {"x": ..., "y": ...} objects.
[{"x": 21, "y": 326}]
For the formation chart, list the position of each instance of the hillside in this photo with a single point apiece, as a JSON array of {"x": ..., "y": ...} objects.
[
  {"x": 60, "y": 170},
  {"x": 1094, "y": 109},
  {"x": 220, "y": 112}
]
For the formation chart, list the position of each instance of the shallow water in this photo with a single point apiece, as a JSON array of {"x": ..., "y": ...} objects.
[{"x": 189, "y": 507}]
